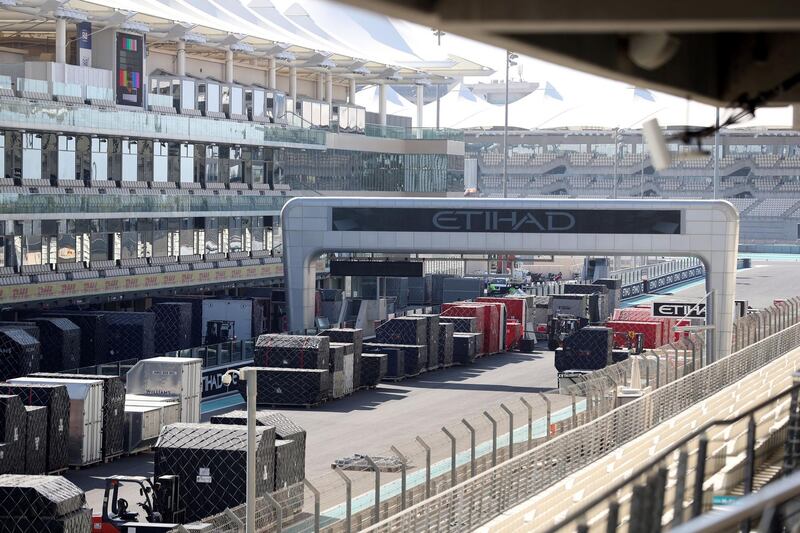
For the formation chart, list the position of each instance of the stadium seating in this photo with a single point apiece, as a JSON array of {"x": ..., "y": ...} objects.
[{"x": 773, "y": 207}]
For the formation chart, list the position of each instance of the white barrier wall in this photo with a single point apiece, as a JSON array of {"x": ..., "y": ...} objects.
[{"x": 707, "y": 229}]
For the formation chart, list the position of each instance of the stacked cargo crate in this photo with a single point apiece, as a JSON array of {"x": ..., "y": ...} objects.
[
  {"x": 409, "y": 333},
  {"x": 292, "y": 370},
  {"x": 42, "y": 503},
  {"x": 352, "y": 336}
]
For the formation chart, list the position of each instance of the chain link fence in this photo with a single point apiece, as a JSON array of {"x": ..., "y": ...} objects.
[{"x": 470, "y": 471}]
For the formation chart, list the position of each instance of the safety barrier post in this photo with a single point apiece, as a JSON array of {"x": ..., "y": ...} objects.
[
  {"x": 348, "y": 502},
  {"x": 377, "y": 510},
  {"x": 494, "y": 437},
  {"x": 574, "y": 408},
  {"x": 613, "y": 516},
  {"x": 403, "y": 466},
  {"x": 427, "y": 466},
  {"x": 235, "y": 520},
  {"x": 680, "y": 488},
  {"x": 278, "y": 512},
  {"x": 315, "y": 492},
  {"x": 510, "y": 430},
  {"x": 749, "y": 464},
  {"x": 700, "y": 476},
  {"x": 547, "y": 419},
  {"x": 471, "y": 446},
  {"x": 452, "y": 456}
]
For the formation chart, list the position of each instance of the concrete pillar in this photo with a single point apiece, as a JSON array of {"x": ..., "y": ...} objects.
[
  {"x": 273, "y": 73},
  {"x": 329, "y": 87},
  {"x": 320, "y": 86},
  {"x": 180, "y": 66},
  {"x": 229, "y": 66},
  {"x": 382, "y": 103},
  {"x": 420, "y": 104},
  {"x": 61, "y": 40},
  {"x": 352, "y": 92},
  {"x": 293, "y": 84}
]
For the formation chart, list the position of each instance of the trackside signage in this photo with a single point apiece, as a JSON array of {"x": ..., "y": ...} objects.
[
  {"x": 641, "y": 222},
  {"x": 679, "y": 309}
]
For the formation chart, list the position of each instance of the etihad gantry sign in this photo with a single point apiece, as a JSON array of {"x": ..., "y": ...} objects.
[{"x": 701, "y": 228}]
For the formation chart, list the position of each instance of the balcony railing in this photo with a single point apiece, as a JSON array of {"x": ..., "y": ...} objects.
[
  {"x": 57, "y": 116},
  {"x": 400, "y": 132}
]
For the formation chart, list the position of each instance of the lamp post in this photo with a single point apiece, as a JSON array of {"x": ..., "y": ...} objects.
[
  {"x": 510, "y": 57},
  {"x": 248, "y": 374}
]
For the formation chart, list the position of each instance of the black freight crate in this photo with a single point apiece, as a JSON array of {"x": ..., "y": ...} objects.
[
  {"x": 35, "y": 439},
  {"x": 19, "y": 354},
  {"x": 432, "y": 340},
  {"x": 461, "y": 324},
  {"x": 466, "y": 346},
  {"x": 94, "y": 334},
  {"x": 289, "y": 462},
  {"x": 210, "y": 461},
  {"x": 336, "y": 352},
  {"x": 446, "y": 331},
  {"x": 355, "y": 337},
  {"x": 12, "y": 433},
  {"x": 39, "y": 497},
  {"x": 437, "y": 287},
  {"x": 416, "y": 356},
  {"x": 292, "y": 351},
  {"x": 373, "y": 368},
  {"x": 173, "y": 326},
  {"x": 411, "y": 330},
  {"x": 398, "y": 287},
  {"x": 28, "y": 326},
  {"x": 196, "y": 302},
  {"x": 56, "y": 399},
  {"x": 130, "y": 335},
  {"x": 589, "y": 348},
  {"x": 290, "y": 386},
  {"x": 61, "y": 344},
  {"x": 395, "y": 360},
  {"x": 113, "y": 410}
]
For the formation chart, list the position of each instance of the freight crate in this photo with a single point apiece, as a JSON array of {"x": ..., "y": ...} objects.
[
  {"x": 624, "y": 331},
  {"x": 461, "y": 324},
  {"x": 589, "y": 348},
  {"x": 94, "y": 334},
  {"x": 39, "y": 497},
  {"x": 130, "y": 335},
  {"x": 210, "y": 461},
  {"x": 13, "y": 424},
  {"x": 169, "y": 376},
  {"x": 395, "y": 360},
  {"x": 415, "y": 356},
  {"x": 56, "y": 399},
  {"x": 19, "y": 354},
  {"x": 432, "y": 331},
  {"x": 411, "y": 330},
  {"x": 173, "y": 326},
  {"x": 483, "y": 314},
  {"x": 466, "y": 347},
  {"x": 352, "y": 336},
  {"x": 113, "y": 410},
  {"x": 292, "y": 351},
  {"x": 142, "y": 427},
  {"x": 60, "y": 341},
  {"x": 446, "y": 331},
  {"x": 373, "y": 369},
  {"x": 290, "y": 386},
  {"x": 35, "y": 439},
  {"x": 197, "y": 325}
]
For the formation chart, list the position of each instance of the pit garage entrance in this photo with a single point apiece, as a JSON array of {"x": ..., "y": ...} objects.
[{"x": 706, "y": 229}]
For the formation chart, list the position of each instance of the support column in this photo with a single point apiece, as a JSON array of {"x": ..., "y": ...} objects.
[
  {"x": 273, "y": 73},
  {"x": 320, "y": 86},
  {"x": 329, "y": 87},
  {"x": 180, "y": 66},
  {"x": 420, "y": 104},
  {"x": 382, "y": 103},
  {"x": 352, "y": 98},
  {"x": 229, "y": 66},
  {"x": 61, "y": 40},
  {"x": 293, "y": 84}
]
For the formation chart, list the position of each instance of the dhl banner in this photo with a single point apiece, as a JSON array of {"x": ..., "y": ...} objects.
[{"x": 93, "y": 287}]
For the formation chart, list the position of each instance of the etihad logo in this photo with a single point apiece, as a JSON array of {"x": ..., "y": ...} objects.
[{"x": 505, "y": 220}]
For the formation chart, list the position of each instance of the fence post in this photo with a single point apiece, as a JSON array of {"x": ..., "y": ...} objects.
[
  {"x": 574, "y": 408},
  {"x": 700, "y": 476},
  {"x": 690, "y": 342},
  {"x": 680, "y": 488},
  {"x": 377, "y": 470},
  {"x": 403, "y": 465},
  {"x": 471, "y": 446},
  {"x": 548, "y": 416},
  {"x": 749, "y": 464},
  {"x": 348, "y": 521},
  {"x": 613, "y": 516},
  {"x": 510, "y": 430},
  {"x": 427, "y": 467},
  {"x": 494, "y": 437},
  {"x": 314, "y": 490},
  {"x": 231, "y": 516},
  {"x": 529, "y": 407},
  {"x": 278, "y": 512},
  {"x": 452, "y": 456}
]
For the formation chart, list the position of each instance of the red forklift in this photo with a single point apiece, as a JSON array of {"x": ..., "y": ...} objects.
[{"x": 158, "y": 503}]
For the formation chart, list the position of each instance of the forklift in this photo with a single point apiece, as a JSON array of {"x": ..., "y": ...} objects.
[
  {"x": 561, "y": 327},
  {"x": 159, "y": 505}
]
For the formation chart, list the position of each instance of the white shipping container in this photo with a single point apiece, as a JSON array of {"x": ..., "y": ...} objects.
[
  {"x": 240, "y": 312},
  {"x": 170, "y": 376},
  {"x": 170, "y": 406},
  {"x": 142, "y": 427},
  {"x": 85, "y": 417}
]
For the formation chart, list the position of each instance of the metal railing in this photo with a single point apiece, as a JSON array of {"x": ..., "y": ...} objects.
[{"x": 632, "y": 275}]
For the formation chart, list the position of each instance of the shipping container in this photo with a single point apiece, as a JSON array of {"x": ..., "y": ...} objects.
[
  {"x": 170, "y": 376},
  {"x": 85, "y": 417},
  {"x": 170, "y": 406},
  {"x": 142, "y": 427}
]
